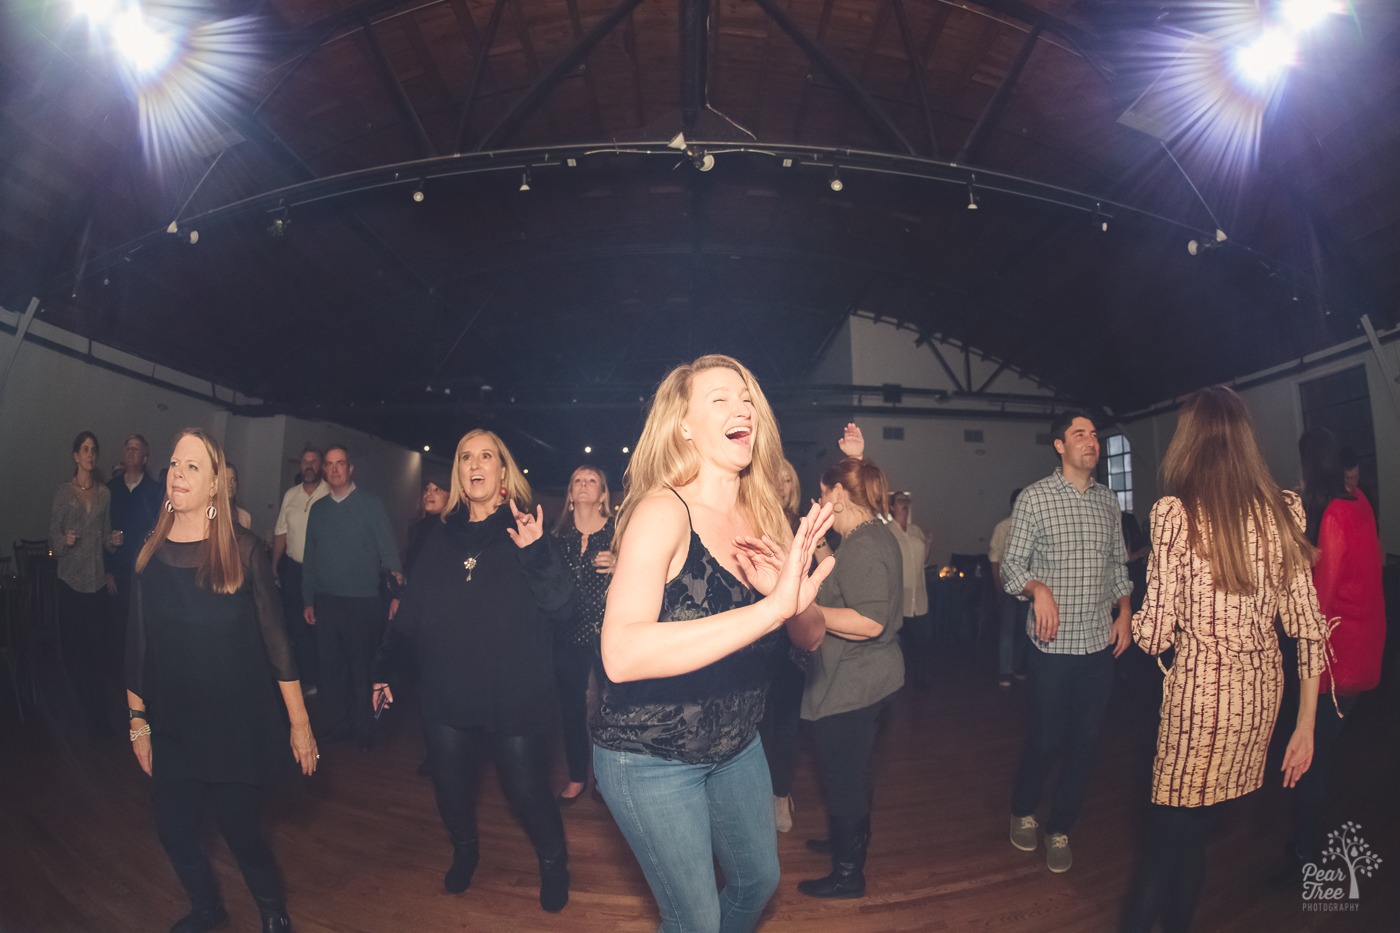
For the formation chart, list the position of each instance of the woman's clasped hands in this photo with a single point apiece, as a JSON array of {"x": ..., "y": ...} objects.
[{"x": 782, "y": 576}]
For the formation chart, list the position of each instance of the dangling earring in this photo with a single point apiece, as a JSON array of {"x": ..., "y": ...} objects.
[
  {"x": 211, "y": 511},
  {"x": 571, "y": 505},
  {"x": 169, "y": 506},
  {"x": 503, "y": 492}
]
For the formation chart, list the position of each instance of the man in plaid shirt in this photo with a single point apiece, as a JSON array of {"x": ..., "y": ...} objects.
[{"x": 1066, "y": 558}]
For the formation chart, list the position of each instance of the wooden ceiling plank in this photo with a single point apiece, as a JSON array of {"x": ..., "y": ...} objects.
[
  {"x": 879, "y": 120},
  {"x": 546, "y": 81},
  {"x": 481, "y": 71},
  {"x": 972, "y": 146},
  {"x": 916, "y": 76},
  {"x": 588, "y": 79}
]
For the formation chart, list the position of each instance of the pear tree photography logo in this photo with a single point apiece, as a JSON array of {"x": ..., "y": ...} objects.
[{"x": 1336, "y": 887}]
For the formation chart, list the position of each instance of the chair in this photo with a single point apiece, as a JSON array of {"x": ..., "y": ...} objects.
[
  {"x": 11, "y": 643},
  {"x": 37, "y": 601}
]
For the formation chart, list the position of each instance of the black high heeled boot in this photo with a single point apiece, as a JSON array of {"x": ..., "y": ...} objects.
[
  {"x": 266, "y": 887},
  {"x": 847, "y": 879},
  {"x": 206, "y": 911},
  {"x": 465, "y": 855},
  {"x": 554, "y": 882}
]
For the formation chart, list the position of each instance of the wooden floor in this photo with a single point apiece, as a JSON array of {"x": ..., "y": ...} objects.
[{"x": 362, "y": 849}]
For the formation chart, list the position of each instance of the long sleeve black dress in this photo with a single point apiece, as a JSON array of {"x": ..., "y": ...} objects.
[{"x": 206, "y": 664}]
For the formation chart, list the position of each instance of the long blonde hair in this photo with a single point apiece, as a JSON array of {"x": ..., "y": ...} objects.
[
  {"x": 220, "y": 567},
  {"x": 792, "y": 503},
  {"x": 516, "y": 485},
  {"x": 664, "y": 458},
  {"x": 1215, "y": 468},
  {"x": 604, "y": 504}
]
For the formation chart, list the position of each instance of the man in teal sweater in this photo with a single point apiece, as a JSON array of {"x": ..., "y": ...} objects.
[{"x": 348, "y": 543}]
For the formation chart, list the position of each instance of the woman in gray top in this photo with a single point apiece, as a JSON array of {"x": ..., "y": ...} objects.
[
  {"x": 80, "y": 530},
  {"x": 859, "y": 665}
]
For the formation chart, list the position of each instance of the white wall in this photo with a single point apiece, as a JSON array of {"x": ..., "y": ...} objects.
[
  {"x": 1277, "y": 410},
  {"x": 50, "y": 396},
  {"x": 960, "y": 489}
]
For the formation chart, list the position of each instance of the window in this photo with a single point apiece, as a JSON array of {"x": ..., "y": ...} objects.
[{"x": 1120, "y": 470}]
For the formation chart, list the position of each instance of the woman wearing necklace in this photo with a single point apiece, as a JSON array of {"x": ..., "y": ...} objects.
[
  {"x": 689, "y": 633},
  {"x": 205, "y": 642},
  {"x": 477, "y": 613},
  {"x": 860, "y": 666},
  {"x": 585, "y": 536},
  {"x": 80, "y": 530}
]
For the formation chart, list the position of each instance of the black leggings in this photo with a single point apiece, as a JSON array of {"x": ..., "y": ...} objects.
[
  {"x": 87, "y": 649},
  {"x": 522, "y": 764},
  {"x": 780, "y": 726},
  {"x": 844, "y": 744},
  {"x": 572, "y": 665},
  {"x": 178, "y": 806},
  {"x": 1168, "y": 879}
]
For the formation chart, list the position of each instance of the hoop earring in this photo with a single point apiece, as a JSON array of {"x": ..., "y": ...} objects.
[
  {"x": 211, "y": 512},
  {"x": 169, "y": 506}
]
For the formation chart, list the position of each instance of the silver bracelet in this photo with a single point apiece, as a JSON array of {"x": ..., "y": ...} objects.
[{"x": 137, "y": 733}]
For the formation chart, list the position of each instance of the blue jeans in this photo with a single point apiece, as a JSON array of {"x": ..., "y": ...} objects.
[{"x": 680, "y": 818}]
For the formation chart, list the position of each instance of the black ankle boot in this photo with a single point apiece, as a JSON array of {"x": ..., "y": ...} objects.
[
  {"x": 276, "y": 922},
  {"x": 266, "y": 887},
  {"x": 464, "y": 858},
  {"x": 201, "y": 920},
  {"x": 847, "y": 878},
  {"x": 554, "y": 882}
]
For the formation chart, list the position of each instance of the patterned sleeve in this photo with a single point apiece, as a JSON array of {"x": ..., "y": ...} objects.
[
  {"x": 1119, "y": 585},
  {"x": 1299, "y": 611},
  {"x": 1015, "y": 563},
  {"x": 1167, "y": 569}
]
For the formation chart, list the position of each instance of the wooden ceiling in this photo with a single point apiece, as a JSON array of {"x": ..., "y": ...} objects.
[{"x": 291, "y": 135}]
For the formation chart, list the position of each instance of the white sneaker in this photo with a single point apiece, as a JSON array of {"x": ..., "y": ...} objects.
[{"x": 782, "y": 813}]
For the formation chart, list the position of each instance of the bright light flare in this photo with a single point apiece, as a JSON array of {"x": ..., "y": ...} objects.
[
  {"x": 144, "y": 48},
  {"x": 97, "y": 11},
  {"x": 1302, "y": 15},
  {"x": 1264, "y": 61}
]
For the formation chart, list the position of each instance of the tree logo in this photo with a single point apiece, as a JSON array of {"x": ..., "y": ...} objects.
[{"x": 1337, "y": 888}]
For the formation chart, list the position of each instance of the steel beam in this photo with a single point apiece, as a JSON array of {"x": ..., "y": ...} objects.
[
  {"x": 695, "y": 35},
  {"x": 426, "y": 149},
  {"x": 483, "y": 56},
  {"x": 546, "y": 82},
  {"x": 916, "y": 74},
  {"x": 992, "y": 112},
  {"x": 877, "y": 118}
]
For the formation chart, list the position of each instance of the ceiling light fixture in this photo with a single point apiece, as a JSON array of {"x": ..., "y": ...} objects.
[
  {"x": 836, "y": 183},
  {"x": 701, "y": 159},
  {"x": 426, "y": 448},
  {"x": 972, "y": 193},
  {"x": 525, "y": 179},
  {"x": 678, "y": 142},
  {"x": 1196, "y": 247},
  {"x": 418, "y": 194},
  {"x": 1100, "y": 218}
]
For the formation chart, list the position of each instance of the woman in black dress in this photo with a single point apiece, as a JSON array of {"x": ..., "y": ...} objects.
[
  {"x": 585, "y": 534},
  {"x": 478, "y": 610},
  {"x": 205, "y": 641}
]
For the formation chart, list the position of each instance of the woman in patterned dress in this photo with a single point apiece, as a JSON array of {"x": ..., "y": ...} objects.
[
  {"x": 585, "y": 536},
  {"x": 691, "y": 624},
  {"x": 1228, "y": 556}
]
